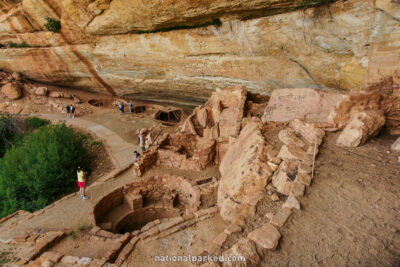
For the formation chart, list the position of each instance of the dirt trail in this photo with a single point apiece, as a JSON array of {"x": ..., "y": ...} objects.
[
  {"x": 69, "y": 213},
  {"x": 351, "y": 214}
]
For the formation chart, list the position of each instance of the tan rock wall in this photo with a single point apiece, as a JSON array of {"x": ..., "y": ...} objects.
[{"x": 344, "y": 46}]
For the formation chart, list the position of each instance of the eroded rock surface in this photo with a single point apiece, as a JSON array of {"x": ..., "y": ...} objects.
[
  {"x": 95, "y": 51},
  {"x": 244, "y": 171},
  {"x": 300, "y": 103}
]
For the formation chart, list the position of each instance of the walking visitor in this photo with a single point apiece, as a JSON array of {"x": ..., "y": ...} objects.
[{"x": 82, "y": 182}]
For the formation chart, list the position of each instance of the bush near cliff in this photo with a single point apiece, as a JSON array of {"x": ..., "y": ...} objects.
[
  {"x": 41, "y": 168},
  {"x": 52, "y": 25},
  {"x": 8, "y": 131}
]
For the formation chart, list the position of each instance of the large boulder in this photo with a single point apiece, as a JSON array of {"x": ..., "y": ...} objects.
[
  {"x": 362, "y": 126},
  {"x": 244, "y": 171},
  {"x": 12, "y": 90},
  {"x": 353, "y": 104},
  {"x": 300, "y": 103},
  {"x": 374, "y": 96}
]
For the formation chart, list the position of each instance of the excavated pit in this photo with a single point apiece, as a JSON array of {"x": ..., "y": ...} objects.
[
  {"x": 139, "y": 109},
  {"x": 96, "y": 103},
  {"x": 129, "y": 208},
  {"x": 169, "y": 115}
]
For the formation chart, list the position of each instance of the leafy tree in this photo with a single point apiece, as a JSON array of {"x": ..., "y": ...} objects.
[
  {"x": 41, "y": 168},
  {"x": 52, "y": 25},
  {"x": 35, "y": 122},
  {"x": 7, "y": 132}
]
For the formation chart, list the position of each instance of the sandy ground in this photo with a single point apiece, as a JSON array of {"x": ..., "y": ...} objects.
[{"x": 351, "y": 214}]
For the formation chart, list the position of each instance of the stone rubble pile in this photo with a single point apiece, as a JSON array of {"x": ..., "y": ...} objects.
[{"x": 363, "y": 113}]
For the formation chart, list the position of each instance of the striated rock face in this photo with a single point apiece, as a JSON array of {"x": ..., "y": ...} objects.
[
  {"x": 274, "y": 45},
  {"x": 124, "y": 16}
]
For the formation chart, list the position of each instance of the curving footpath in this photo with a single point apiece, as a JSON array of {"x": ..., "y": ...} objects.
[
  {"x": 71, "y": 211},
  {"x": 120, "y": 151}
]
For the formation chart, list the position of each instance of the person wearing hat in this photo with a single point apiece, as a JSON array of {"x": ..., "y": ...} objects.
[{"x": 82, "y": 182}]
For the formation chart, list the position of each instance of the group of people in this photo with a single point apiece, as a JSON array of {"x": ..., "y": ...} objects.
[
  {"x": 70, "y": 111},
  {"x": 81, "y": 174},
  {"x": 121, "y": 107}
]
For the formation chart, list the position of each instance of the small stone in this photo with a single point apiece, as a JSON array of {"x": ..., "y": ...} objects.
[
  {"x": 220, "y": 239},
  {"x": 396, "y": 145},
  {"x": 297, "y": 189},
  {"x": 94, "y": 230},
  {"x": 275, "y": 197},
  {"x": 69, "y": 260},
  {"x": 22, "y": 237},
  {"x": 273, "y": 166},
  {"x": 84, "y": 261},
  {"x": 292, "y": 203},
  {"x": 304, "y": 179},
  {"x": 292, "y": 152},
  {"x": 233, "y": 228},
  {"x": 276, "y": 160},
  {"x": 305, "y": 168},
  {"x": 47, "y": 263},
  {"x": 266, "y": 237},
  {"x": 281, "y": 217},
  {"x": 52, "y": 256},
  {"x": 42, "y": 91}
]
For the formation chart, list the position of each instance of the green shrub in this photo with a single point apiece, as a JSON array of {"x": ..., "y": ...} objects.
[
  {"x": 72, "y": 234},
  {"x": 8, "y": 131},
  {"x": 307, "y": 3},
  {"x": 41, "y": 168},
  {"x": 21, "y": 45},
  {"x": 84, "y": 227},
  {"x": 35, "y": 122},
  {"x": 52, "y": 25}
]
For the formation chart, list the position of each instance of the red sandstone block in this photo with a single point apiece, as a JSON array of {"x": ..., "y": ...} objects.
[
  {"x": 151, "y": 232},
  {"x": 281, "y": 217},
  {"x": 233, "y": 228},
  {"x": 52, "y": 256},
  {"x": 266, "y": 237},
  {"x": 105, "y": 234}
]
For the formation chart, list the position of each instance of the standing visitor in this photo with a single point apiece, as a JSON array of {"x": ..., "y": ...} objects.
[
  {"x": 121, "y": 108},
  {"x": 68, "y": 109},
  {"x": 82, "y": 182},
  {"x": 131, "y": 106},
  {"x": 142, "y": 141},
  {"x": 72, "y": 111}
]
